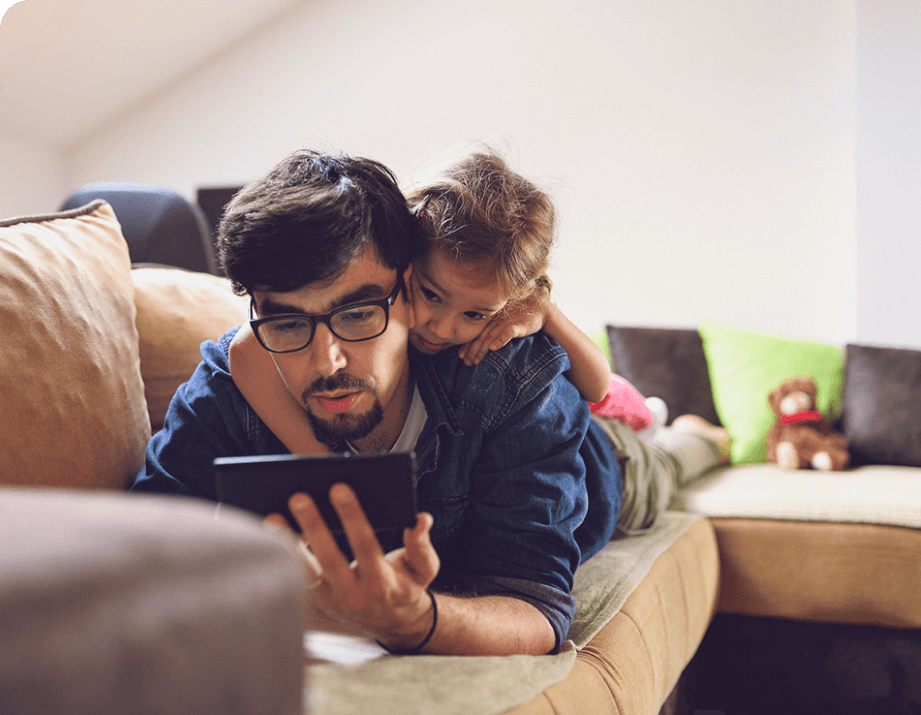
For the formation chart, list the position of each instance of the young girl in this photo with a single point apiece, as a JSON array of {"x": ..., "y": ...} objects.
[
  {"x": 483, "y": 225},
  {"x": 480, "y": 255}
]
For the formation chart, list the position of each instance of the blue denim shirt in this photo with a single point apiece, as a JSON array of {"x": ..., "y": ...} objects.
[{"x": 521, "y": 484}]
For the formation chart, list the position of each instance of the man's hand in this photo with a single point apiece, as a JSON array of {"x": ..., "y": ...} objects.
[{"x": 383, "y": 596}]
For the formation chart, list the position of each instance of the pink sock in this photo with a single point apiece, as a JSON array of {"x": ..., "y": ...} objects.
[{"x": 623, "y": 402}]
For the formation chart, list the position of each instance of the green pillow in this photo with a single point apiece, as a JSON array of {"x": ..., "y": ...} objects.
[{"x": 745, "y": 367}]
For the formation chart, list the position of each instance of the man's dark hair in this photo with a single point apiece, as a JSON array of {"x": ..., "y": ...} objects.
[{"x": 309, "y": 218}]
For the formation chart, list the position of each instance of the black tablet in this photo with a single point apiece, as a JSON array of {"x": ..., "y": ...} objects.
[{"x": 384, "y": 483}]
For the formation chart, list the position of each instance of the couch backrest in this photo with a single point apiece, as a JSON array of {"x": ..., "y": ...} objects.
[
  {"x": 72, "y": 409},
  {"x": 92, "y": 349},
  {"x": 176, "y": 311}
]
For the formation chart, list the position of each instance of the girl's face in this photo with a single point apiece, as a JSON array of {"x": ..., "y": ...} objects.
[{"x": 452, "y": 301}]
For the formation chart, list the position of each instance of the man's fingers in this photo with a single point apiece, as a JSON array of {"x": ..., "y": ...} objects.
[
  {"x": 315, "y": 532},
  {"x": 314, "y": 567},
  {"x": 419, "y": 556},
  {"x": 279, "y": 525},
  {"x": 277, "y": 521},
  {"x": 358, "y": 530}
]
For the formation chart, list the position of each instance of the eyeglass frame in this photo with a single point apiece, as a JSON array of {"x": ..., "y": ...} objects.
[{"x": 326, "y": 319}]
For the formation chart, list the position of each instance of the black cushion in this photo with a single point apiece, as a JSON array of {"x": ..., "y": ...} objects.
[
  {"x": 665, "y": 362},
  {"x": 881, "y": 404},
  {"x": 159, "y": 225}
]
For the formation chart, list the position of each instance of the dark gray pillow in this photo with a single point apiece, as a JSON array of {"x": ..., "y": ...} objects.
[
  {"x": 881, "y": 407},
  {"x": 667, "y": 363}
]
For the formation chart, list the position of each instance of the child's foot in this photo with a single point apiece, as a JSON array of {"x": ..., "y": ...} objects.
[
  {"x": 698, "y": 425},
  {"x": 659, "y": 411}
]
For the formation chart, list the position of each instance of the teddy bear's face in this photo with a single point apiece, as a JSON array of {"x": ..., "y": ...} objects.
[
  {"x": 795, "y": 402},
  {"x": 798, "y": 394}
]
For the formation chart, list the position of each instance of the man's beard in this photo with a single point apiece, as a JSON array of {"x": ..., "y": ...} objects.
[
  {"x": 344, "y": 426},
  {"x": 350, "y": 427}
]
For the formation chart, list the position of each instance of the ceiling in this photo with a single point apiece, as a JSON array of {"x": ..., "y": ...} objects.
[{"x": 67, "y": 69}]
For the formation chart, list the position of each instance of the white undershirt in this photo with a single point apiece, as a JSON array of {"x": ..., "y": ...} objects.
[{"x": 412, "y": 428}]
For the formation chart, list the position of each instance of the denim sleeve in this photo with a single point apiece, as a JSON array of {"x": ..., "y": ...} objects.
[
  {"x": 528, "y": 492},
  {"x": 207, "y": 418}
]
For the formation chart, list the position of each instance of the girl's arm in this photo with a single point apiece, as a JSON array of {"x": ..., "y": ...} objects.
[
  {"x": 255, "y": 375},
  {"x": 590, "y": 371}
]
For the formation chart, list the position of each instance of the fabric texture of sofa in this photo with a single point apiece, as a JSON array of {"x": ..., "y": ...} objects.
[{"x": 93, "y": 350}]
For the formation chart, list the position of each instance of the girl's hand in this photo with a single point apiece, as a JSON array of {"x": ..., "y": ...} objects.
[{"x": 521, "y": 318}]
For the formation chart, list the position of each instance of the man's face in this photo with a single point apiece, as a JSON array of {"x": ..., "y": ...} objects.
[{"x": 349, "y": 390}]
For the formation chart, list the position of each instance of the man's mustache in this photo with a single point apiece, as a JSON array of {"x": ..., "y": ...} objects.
[{"x": 342, "y": 381}]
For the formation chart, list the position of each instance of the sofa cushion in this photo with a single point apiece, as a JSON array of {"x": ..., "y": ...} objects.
[
  {"x": 73, "y": 402},
  {"x": 838, "y": 547},
  {"x": 870, "y": 494},
  {"x": 882, "y": 401},
  {"x": 745, "y": 366},
  {"x": 668, "y": 363},
  {"x": 177, "y": 310}
]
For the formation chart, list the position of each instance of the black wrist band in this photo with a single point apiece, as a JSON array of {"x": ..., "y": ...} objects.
[{"x": 428, "y": 637}]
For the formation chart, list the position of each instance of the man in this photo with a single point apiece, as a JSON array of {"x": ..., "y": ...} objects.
[{"x": 515, "y": 488}]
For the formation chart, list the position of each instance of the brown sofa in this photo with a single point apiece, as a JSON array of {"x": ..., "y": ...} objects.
[
  {"x": 820, "y": 573},
  {"x": 93, "y": 350}
]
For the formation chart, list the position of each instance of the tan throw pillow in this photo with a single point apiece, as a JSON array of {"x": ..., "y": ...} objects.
[
  {"x": 72, "y": 411},
  {"x": 177, "y": 310}
]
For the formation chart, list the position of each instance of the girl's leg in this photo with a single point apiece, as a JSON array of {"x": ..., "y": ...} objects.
[{"x": 653, "y": 470}]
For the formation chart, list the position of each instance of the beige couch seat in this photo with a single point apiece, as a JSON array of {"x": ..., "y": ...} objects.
[{"x": 833, "y": 547}]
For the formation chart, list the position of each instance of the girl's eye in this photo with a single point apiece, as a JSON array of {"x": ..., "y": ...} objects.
[
  {"x": 428, "y": 295},
  {"x": 476, "y": 316}
]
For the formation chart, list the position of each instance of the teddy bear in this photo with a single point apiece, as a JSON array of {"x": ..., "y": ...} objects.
[{"x": 801, "y": 437}]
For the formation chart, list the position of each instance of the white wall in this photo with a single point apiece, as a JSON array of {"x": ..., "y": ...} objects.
[
  {"x": 31, "y": 177},
  {"x": 889, "y": 172},
  {"x": 702, "y": 153}
]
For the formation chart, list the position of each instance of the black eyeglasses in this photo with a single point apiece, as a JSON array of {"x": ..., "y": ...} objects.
[{"x": 352, "y": 323}]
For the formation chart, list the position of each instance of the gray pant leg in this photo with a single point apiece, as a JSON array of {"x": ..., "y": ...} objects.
[{"x": 654, "y": 469}]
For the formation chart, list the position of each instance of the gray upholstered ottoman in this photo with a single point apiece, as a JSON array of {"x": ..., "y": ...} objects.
[{"x": 115, "y": 603}]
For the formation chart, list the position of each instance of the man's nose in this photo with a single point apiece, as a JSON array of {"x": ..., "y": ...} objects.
[{"x": 326, "y": 352}]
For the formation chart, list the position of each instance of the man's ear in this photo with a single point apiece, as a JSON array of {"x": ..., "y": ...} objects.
[{"x": 410, "y": 313}]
